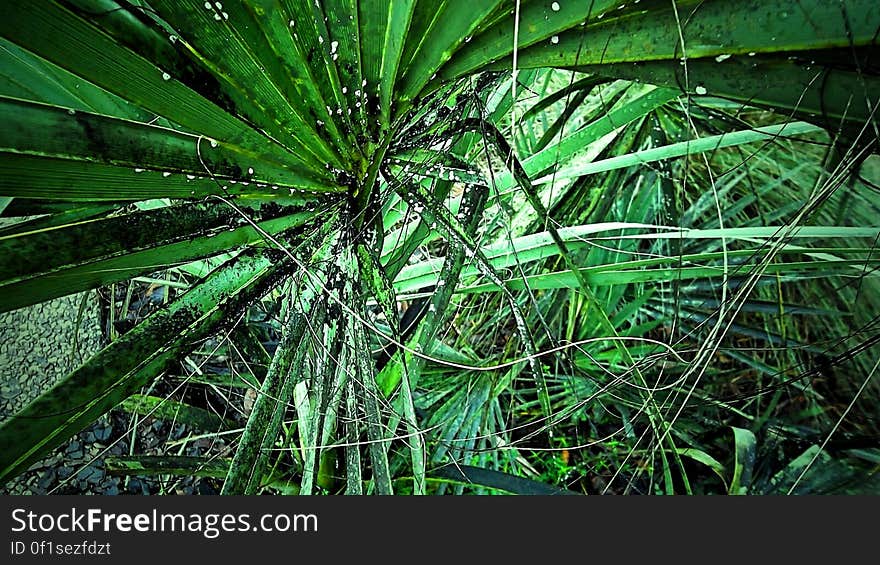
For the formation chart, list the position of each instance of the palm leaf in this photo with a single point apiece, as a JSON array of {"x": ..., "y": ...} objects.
[{"x": 451, "y": 185}]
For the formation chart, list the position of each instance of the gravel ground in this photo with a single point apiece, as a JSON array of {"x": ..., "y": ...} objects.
[
  {"x": 39, "y": 345},
  {"x": 36, "y": 350},
  {"x": 36, "y": 346}
]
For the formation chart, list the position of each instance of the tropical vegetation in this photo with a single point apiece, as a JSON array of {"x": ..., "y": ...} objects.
[{"x": 436, "y": 246}]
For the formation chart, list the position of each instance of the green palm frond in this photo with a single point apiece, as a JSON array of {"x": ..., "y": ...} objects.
[{"x": 483, "y": 221}]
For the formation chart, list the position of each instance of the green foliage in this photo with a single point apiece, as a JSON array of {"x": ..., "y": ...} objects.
[{"x": 614, "y": 233}]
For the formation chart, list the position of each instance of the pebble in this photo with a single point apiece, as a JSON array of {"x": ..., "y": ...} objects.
[
  {"x": 85, "y": 474},
  {"x": 103, "y": 433},
  {"x": 47, "y": 481},
  {"x": 74, "y": 450}
]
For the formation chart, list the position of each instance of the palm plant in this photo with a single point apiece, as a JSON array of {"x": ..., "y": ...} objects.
[{"x": 495, "y": 228}]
